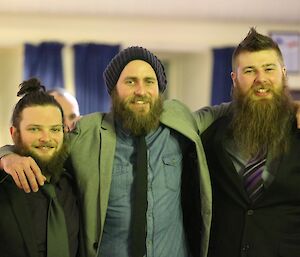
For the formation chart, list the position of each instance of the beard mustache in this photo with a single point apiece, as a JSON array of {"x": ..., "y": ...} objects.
[
  {"x": 262, "y": 125},
  {"x": 138, "y": 124},
  {"x": 52, "y": 167}
]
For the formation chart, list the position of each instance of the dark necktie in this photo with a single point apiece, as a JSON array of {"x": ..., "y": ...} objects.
[
  {"x": 57, "y": 236},
  {"x": 253, "y": 176},
  {"x": 140, "y": 200}
]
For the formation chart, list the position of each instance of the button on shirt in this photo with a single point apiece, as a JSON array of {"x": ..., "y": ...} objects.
[{"x": 165, "y": 231}]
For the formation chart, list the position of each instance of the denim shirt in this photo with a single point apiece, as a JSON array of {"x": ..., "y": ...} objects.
[{"x": 165, "y": 232}]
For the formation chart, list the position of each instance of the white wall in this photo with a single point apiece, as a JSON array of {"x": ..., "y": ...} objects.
[
  {"x": 186, "y": 45},
  {"x": 10, "y": 77}
]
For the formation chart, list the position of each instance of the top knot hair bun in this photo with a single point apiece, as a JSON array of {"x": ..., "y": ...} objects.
[{"x": 30, "y": 86}]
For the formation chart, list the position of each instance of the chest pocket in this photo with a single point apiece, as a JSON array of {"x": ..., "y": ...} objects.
[
  {"x": 120, "y": 182},
  {"x": 172, "y": 171}
]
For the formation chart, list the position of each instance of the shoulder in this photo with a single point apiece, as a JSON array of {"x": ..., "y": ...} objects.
[
  {"x": 7, "y": 185},
  {"x": 92, "y": 118},
  {"x": 209, "y": 114},
  {"x": 5, "y": 178},
  {"x": 175, "y": 105},
  {"x": 176, "y": 109},
  {"x": 87, "y": 126},
  {"x": 89, "y": 122},
  {"x": 219, "y": 127},
  {"x": 178, "y": 116}
]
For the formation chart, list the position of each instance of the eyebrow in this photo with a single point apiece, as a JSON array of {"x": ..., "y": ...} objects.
[
  {"x": 130, "y": 77},
  {"x": 248, "y": 67},
  {"x": 39, "y": 125},
  {"x": 151, "y": 78},
  {"x": 264, "y": 65},
  {"x": 269, "y": 64},
  {"x": 135, "y": 77}
]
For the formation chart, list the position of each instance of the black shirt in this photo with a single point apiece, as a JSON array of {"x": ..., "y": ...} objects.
[{"x": 38, "y": 206}]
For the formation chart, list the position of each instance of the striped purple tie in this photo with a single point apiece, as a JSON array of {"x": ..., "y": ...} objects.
[{"x": 252, "y": 176}]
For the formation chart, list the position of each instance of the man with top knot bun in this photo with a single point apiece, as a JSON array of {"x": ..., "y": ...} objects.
[
  {"x": 140, "y": 169},
  {"x": 26, "y": 227}
]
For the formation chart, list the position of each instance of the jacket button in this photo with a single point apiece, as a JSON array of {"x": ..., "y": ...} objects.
[
  {"x": 95, "y": 245},
  {"x": 250, "y": 212},
  {"x": 245, "y": 247}
]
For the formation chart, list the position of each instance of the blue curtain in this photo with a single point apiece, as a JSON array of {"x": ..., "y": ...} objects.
[
  {"x": 90, "y": 61},
  {"x": 44, "y": 61},
  {"x": 221, "y": 80}
]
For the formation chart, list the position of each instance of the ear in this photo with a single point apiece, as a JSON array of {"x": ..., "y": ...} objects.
[
  {"x": 13, "y": 133},
  {"x": 233, "y": 77},
  {"x": 284, "y": 71}
]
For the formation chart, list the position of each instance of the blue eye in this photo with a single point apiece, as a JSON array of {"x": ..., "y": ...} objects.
[
  {"x": 56, "y": 129},
  {"x": 34, "y": 129},
  {"x": 269, "y": 69},
  {"x": 129, "y": 82}
]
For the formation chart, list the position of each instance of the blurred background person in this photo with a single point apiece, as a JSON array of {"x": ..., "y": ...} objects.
[{"x": 69, "y": 105}]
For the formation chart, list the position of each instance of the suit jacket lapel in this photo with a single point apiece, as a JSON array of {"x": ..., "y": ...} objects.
[
  {"x": 273, "y": 168},
  {"x": 23, "y": 217},
  {"x": 185, "y": 124},
  {"x": 107, "y": 154},
  {"x": 229, "y": 170}
]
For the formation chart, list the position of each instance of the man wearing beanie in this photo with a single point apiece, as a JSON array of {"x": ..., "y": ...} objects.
[{"x": 141, "y": 172}]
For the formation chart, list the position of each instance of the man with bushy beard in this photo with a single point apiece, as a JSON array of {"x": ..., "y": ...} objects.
[
  {"x": 37, "y": 131},
  {"x": 140, "y": 169},
  {"x": 253, "y": 159}
]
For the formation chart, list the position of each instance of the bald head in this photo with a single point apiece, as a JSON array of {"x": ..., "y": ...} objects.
[{"x": 69, "y": 105}]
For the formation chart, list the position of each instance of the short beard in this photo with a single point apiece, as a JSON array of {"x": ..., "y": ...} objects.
[
  {"x": 262, "y": 124},
  {"x": 137, "y": 124},
  {"x": 53, "y": 167}
]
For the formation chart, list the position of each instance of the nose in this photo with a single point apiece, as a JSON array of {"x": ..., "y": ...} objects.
[
  {"x": 260, "y": 77},
  {"x": 140, "y": 89},
  {"x": 44, "y": 136}
]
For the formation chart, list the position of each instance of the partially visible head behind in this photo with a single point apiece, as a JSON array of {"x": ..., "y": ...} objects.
[
  {"x": 118, "y": 63},
  {"x": 37, "y": 126},
  {"x": 69, "y": 105},
  {"x": 255, "y": 42}
]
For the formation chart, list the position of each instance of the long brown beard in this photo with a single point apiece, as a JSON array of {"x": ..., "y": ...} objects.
[
  {"x": 137, "y": 124},
  {"x": 52, "y": 167},
  {"x": 262, "y": 124}
]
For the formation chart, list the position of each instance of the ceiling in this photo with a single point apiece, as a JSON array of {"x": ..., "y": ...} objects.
[{"x": 273, "y": 11}]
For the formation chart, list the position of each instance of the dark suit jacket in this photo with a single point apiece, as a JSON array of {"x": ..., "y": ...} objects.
[
  {"x": 268, "y": 228},
  {"x": 16, "y": 229},
  {"x": 17, "y": 234}
]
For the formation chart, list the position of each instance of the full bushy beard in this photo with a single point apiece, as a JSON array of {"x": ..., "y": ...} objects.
[
  {"x": 135, "y": 122},
  {"x": 265, "y": 124},
  {"x": 51, "y": 167}
]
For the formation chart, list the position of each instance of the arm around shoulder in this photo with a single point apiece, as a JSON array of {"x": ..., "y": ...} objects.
[
  {"x": 207, "y": 115},
  {"x": 24, "y": 170},
  {"x": 5, "y": 150}
]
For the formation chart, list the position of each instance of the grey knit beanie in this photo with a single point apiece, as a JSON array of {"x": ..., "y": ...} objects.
[{"x": 117, "y": 64}]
